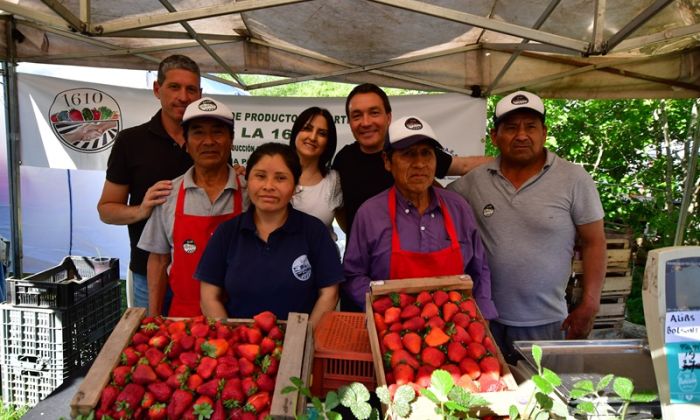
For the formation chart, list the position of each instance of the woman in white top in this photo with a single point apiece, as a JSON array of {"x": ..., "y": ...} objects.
[{"x": 314, "y": 139}]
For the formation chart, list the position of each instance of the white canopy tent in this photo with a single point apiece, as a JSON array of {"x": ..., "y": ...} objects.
[{"x": 556, "y": 48}]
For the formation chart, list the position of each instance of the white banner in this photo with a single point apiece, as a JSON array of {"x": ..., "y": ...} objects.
[{"x": 72, "y": 125}]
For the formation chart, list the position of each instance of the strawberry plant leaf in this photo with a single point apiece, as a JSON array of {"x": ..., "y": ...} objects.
[
  {"x": 429, "y": 395},
  {"x": 361, "y": 392},
  {"x": 361, "y": 409},
  {"x": 585, "y": 407},
  {"x": 442, "y": 383},
  {"x": 331, "y": 401},
  {"x": 374, "y": 415},
  {"x": 551, "y": 377},
  {"x": 404, "y": 394},
  {"x": 296, "y": 381},
  {"x": 604, "y": 382},
  {"x": 537, "y": 355},
  {"x": 577, "y": 393},
  {"x": 383, "y": 394},
  {"x": 455, "y": 406},
  {"x": 560, "y": 408},
  {"x": 332, "y": 415},
  {"x": 542, "y": 384},
  {"x": 513, "y": 413},
  {"x": 317, "y": 403},
  {"x": 644, "y": 397},
  {"x": 545, "y": 401},
  {"x": 623, "y": 387},
  {"x": 402, "y": 409},
  {"x": 585, "y": 385}
]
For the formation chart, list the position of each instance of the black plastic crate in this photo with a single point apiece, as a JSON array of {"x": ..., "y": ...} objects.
[
  {"x": 64, "y": 285},
  {"x": 39, "y": 348}
]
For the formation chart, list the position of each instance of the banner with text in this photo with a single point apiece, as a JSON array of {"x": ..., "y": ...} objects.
[{"x": 72, "y": 125}]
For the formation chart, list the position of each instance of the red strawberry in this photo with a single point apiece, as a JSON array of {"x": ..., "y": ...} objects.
[
  {"x": 160, "y": 390},
  {"x": 265, "y": 320},
  {"x": 245, "y": 367},
  {"x": 121, "y": 375},
  {"x": 267, "y": 345},
  {"x": 129, "y": 356},
  {"x": 412, "y": 342},
  {"x": 430, "y": 310},
  {"x": 187, "y": 342},
  {"x": 490, "y": 367},
  {"x": 469, "y": 307},
  {"x": 456, "y": 352},
  {"x": 249, "y": 351},
  {"x": 158, "y": 341},
  {"x": 189, "y": 359},
  {"x": 148, "y": 400},
  {"x": 402, "y": 356},
  {"x": 141, "y": 348},
  {"x": 210, "y": 388},
  {"x": 270, "y": 365},
  {"x": 460, "y": 335},
  {"x": 199, "y": 330},
  {"x": 249, "y": 386},
  {"x": 489, "y": 346},
  {"x": 254, "y": 335},
  {"x": 392, "y": 341},
  {"x": 257, "y": 403},
  {"x": 423, "y": 298},
  {"x": 461, "y": 319},
  {"x": 401, "y": 299},
  {"x": 215, "y": 348},
  {"x": 143, "y": 374},
  {"x": 477, "y": 331},
  {"x": 219, "y": 411},
  {"x": 194, "y": 381},
  {"x": 440, "y": 297},
  {"x": 436, "y": 337},
  {"x": 130, "y": 397},
  {"x": 163, "y": 370},
  {"x": 233, "y": 391},
  {"x": 435, "y": 322},
  {"x": 487, "y": 383},
  {"x": 276, "y": 333},
  {"x": 227, "y": 369},
  {"x": 223, "y": 331},
  {"x": 475, "y": 350},
  {"x": 157, "y": 412},
  {"x": 392, "y": 315},
  {"x": 449, "y": 309},
  {"x": 265, "y": 383},
  {"x": 403, "y": 374},
  {"x": 455, "y": 296},
  {"x": 179, "y": 403},
  {"x": 423, "y": 375},
  {"x": 414, "y": 324},
  {"x": 206, "y": 367},
  {"x": 109, "y": 395},
  {"x": 432, "y": 356},
  {"x": 396, "y": 327},
  {"x": 379, "y": 322},
  {"x": 381, "y": 304},
  {"x": 466, "y": 382},
  {"x": 154, "y": 356},
  {"x": 176, "y": 327},
  {"x": 453, "y": 370},
  {"x": 409, "y": 311},
  {"x": 140, "y": 338}
]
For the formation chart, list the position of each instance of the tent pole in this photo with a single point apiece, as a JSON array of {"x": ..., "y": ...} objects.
[
  {"x": 13, "y": 150},
  {"x": 690, "y": 180}
]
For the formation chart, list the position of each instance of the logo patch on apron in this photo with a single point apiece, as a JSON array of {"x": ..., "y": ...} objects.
[
  {"x": 189, "y": 246},
  {"x": 301, "y": 267}
]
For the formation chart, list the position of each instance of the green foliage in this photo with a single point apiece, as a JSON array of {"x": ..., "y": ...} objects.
[
  {"x": 11, "y": 412},
  {"x": 310, "y": 88}
]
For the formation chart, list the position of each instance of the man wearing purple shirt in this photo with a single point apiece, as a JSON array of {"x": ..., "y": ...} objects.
[{"x": 413, "y": 229}]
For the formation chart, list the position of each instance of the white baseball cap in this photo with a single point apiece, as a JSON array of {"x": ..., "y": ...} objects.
[
  {"x": 407, "y": 131},
  {"x": 207, "y": 108},
  {"x": 517, "y": 101}
]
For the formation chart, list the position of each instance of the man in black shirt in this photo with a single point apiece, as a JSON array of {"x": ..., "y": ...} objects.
[{"x": 144, "y": 160}]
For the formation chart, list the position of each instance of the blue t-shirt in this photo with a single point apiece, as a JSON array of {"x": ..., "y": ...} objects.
[{"x": 281, "y": 275}]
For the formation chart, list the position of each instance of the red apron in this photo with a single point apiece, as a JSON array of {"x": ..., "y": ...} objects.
[
  {"x": 190, "y": 236},
  {"x": 409, "y": 264}
]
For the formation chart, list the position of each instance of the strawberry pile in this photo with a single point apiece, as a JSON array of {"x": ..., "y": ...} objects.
[
  {"x": 435, "y": 330},
  {"x": 196, "y": 369}
]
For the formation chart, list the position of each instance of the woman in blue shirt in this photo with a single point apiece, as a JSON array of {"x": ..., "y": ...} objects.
[{"x": 272, "y": 257}]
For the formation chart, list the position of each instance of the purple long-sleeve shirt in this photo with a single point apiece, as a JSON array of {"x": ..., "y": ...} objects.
[{"x": 368, "y": 252}]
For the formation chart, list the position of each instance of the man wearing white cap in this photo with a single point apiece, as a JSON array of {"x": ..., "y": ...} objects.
[
  {"x": 414, "y": 229},
  {"x": 208, "y": 194},
  {"x": 531, "y": 205}
]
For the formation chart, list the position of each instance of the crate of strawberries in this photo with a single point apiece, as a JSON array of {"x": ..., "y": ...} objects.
[
  {"x": 157, "y": 368},
  {"x": 419, "y": 325}
]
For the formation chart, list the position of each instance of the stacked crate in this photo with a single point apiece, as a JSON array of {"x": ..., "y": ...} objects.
[
  {"x": 616, "y": 288},
  {"x": 54, "y": 325}
]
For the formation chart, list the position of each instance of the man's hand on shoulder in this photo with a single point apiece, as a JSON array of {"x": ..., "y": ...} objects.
[{"x": 155, "y": 196}]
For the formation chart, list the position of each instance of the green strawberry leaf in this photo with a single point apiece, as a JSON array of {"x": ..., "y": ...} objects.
[
  {"x": 545, "y": 401},
  {"x": 604, "y": 382},
  {"x": 537, "y": 355},
  {"x": 317, "y": 403},
  {"x": 332, "y": 400},
  {"x": 442, "y": 383},
  {"x": 585, "y": 385},
  {"x": 542, "y": 384},
  {"x": 644, "y": 397},
  {"x": 455, "y": 406},
  {"x": 383, "y": 394},
  {"x": 297, "y": 381},
  {"x": 513, "y": 413},
  {"x": 361, "y": 392},
  {"x": 374, "y": 415},
  {"x": 586, "y": 407},
  {"x": 560, "y": 408},
  {"x": 361, "y": 409},
  {"x": 577, "y": 393},
  {"x": 332, "y": 415},
  {"x": 551, "y": 377},
  {"x": 429, "y": 395},
  {"x": 404, "y": 394},
  {"x": 623, "y": 387},
  {"x": 402, "y": 409},
  {"x": 288, "y": 389}
]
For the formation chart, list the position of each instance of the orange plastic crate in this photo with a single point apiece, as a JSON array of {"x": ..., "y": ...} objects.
[{"x": 342, "y": 354}]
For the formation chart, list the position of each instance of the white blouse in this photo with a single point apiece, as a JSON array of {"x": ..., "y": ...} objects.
[{"x": 320, "y": 200}]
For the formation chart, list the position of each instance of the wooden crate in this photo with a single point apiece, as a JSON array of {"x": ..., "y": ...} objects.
[
  {"x": 499, "y": 402},
  {"x": 618, "y": 258},
  {"x": 295, "y": 361},
  {"x": 611, "y": 307}
]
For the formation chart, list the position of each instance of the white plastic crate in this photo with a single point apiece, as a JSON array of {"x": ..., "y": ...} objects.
[{"x": 42, "y": 347}]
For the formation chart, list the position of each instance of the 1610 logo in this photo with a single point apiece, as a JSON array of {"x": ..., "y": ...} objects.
[{"x": 84, "y": 119}]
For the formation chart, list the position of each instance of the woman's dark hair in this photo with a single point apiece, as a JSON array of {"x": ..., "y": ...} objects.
[
  {"x": 271, "y": 149},
  {"x": 324, "y": 161}
]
